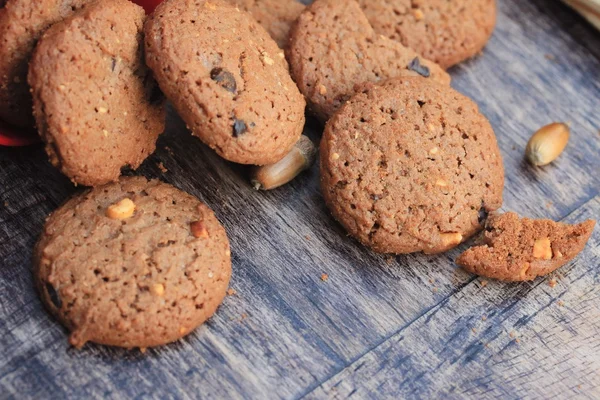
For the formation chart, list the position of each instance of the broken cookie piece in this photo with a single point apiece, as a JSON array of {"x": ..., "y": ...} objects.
[{"x": 521, "y": 249}]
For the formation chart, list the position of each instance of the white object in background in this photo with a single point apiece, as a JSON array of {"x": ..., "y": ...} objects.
[{"x": 590, "y": 9}]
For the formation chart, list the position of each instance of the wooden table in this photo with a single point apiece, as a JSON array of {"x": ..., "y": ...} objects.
[{"x": 379, "y": 327}]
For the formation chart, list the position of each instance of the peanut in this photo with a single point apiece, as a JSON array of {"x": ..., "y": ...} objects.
[
  {"x": 121, "y": 210},
  {"x": 547, "y": 144}
]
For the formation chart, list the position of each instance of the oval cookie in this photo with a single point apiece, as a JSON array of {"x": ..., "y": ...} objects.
[
  {"x": 227, "y": 79},
  {"x": 135, "y": 263},
  {"x": 410, "y": 165},
  {"x": 96, "y": 104},
  {"x": 445, "y": 31},
  {"x": 333, "y": 48},
  {"x": 22, "y": 22}
]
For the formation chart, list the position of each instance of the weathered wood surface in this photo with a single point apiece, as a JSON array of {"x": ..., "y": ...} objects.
[{"x": 413, "y": 326}]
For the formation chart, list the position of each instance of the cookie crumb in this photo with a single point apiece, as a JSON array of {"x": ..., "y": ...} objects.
[
  {"x": 307, "y": 237},
  {"x": 169, "y": 150},
  {"x": 560, "y": 303},
  {"x": 244, "y": 316},
  {"x": 162, "y": 167},
  {"x": 517, "y": 340},
  {"x": 231, "y": 292},
  {"x": 549, "y": 204},
  {"x": 484, "y": 318},
  {"x": 474, "y": 330},
  {"x": 484, "y": 283},
  {"x": 512, "y": 334},
  {"x": 6, "y": 204},
  {"x": 552, "y": 283},
  {"x": 143, "y": 350},
  {"x": 324, "y": 277}
]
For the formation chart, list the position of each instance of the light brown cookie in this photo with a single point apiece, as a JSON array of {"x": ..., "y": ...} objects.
[
  {"x": 333, "y": 48},
  {"x": 22, "y": 22},
  {"x": 521, "y": 249},
  {"x": 96, "y": 104},
  {"x": 227, "y": 79},
  {"x": 276, "y": 16},
  {"x": 445, "y": 31},
  {"x": 410, "y": 165},
  {"x": 135, "y": 263}
]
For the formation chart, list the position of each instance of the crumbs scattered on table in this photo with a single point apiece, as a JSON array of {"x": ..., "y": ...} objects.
[
  {"x": 550, "y": 57},
  {"x": 143, "y": 350},
  {"x": 307, "y": 237},
  {"x": 324, "y": 277},
  {"x": 484, "y": 283},
  {"x": 231, "y": 292},
  {"x": 162, "y": 167},
  {"x": 168, "y": 149},
  {"x": 517, "y": 340},
  {"x": 483, "y": 318},
  {"x": 560, "y": 303},
  {"x": 435, "y": 290},
  {"x": 512, "y": 334},
  {"x": 6, "y": 204},
  {"x": 552, "y": 283},
  {"x": 549, "y": 204},
  {"x": 244, "y": 316},
  {"x": 474, "y": 330}
]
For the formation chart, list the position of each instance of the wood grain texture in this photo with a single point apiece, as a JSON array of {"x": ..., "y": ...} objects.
[{"x": 379, "y": 326}]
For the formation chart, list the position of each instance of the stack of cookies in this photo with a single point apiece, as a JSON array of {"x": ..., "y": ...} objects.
[{"x": 408, "y": 164}]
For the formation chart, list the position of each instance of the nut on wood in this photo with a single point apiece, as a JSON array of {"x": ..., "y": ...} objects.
[
  {"x": 299, "y": 159},
  {"x": 547, "y": 144}
]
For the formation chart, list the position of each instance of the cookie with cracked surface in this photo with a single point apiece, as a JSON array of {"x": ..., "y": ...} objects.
[
  {"x": 22, "y": 22},
  {"x": 227, "y": 79},
  {"x": 276, "y": 16},
  {"x": 410, "y": 165},
  {"x": 445, "y": 31},
  {"x": 521, "y": 249},
  {"x": 134, "y": 263},
  {"x": 96, "y": 105},
  {"x": 333, "y": 48}
]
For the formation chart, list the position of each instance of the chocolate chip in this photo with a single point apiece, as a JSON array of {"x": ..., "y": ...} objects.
[
  {"x": 53, "y": 294},
  {"x": 483, "y": 215},
  {"x": 224, "y": 78},
  {"x": 113, "y": 64},
  {"x": 415, "y": 65},
  {"x": 421, "y": 103},
  {"x": 239, "y": 127}
]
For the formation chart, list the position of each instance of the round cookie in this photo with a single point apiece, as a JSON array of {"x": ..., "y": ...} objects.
[
  {"x": 96, "y": 104},
  {"x": 333, "y": 48},
  {"x": 444, "y": 31},
  {"x": 134, "y": 263},
  {"x": 227, "y": 79},
  {"x": 521, "y": 249},
  {"x": 276, "y": 16},
  {"x": 410, "y": 165},
  {"x": 22, "y": 22}
]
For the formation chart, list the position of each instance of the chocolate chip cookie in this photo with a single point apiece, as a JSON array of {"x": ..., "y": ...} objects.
[
  {"x": 276, "y": 16},
  {"x": 134, "y": 263},
  {"x": 521, "y": 249},
  {"x": 96, "y": 104},
  {"x": 445, "y": 31},
  {"x": 227, "y": 79},
  {"x": 410, "y": 165},
  {"x": 333, "y": 48},
  {"x": 22, "y": 22}
]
